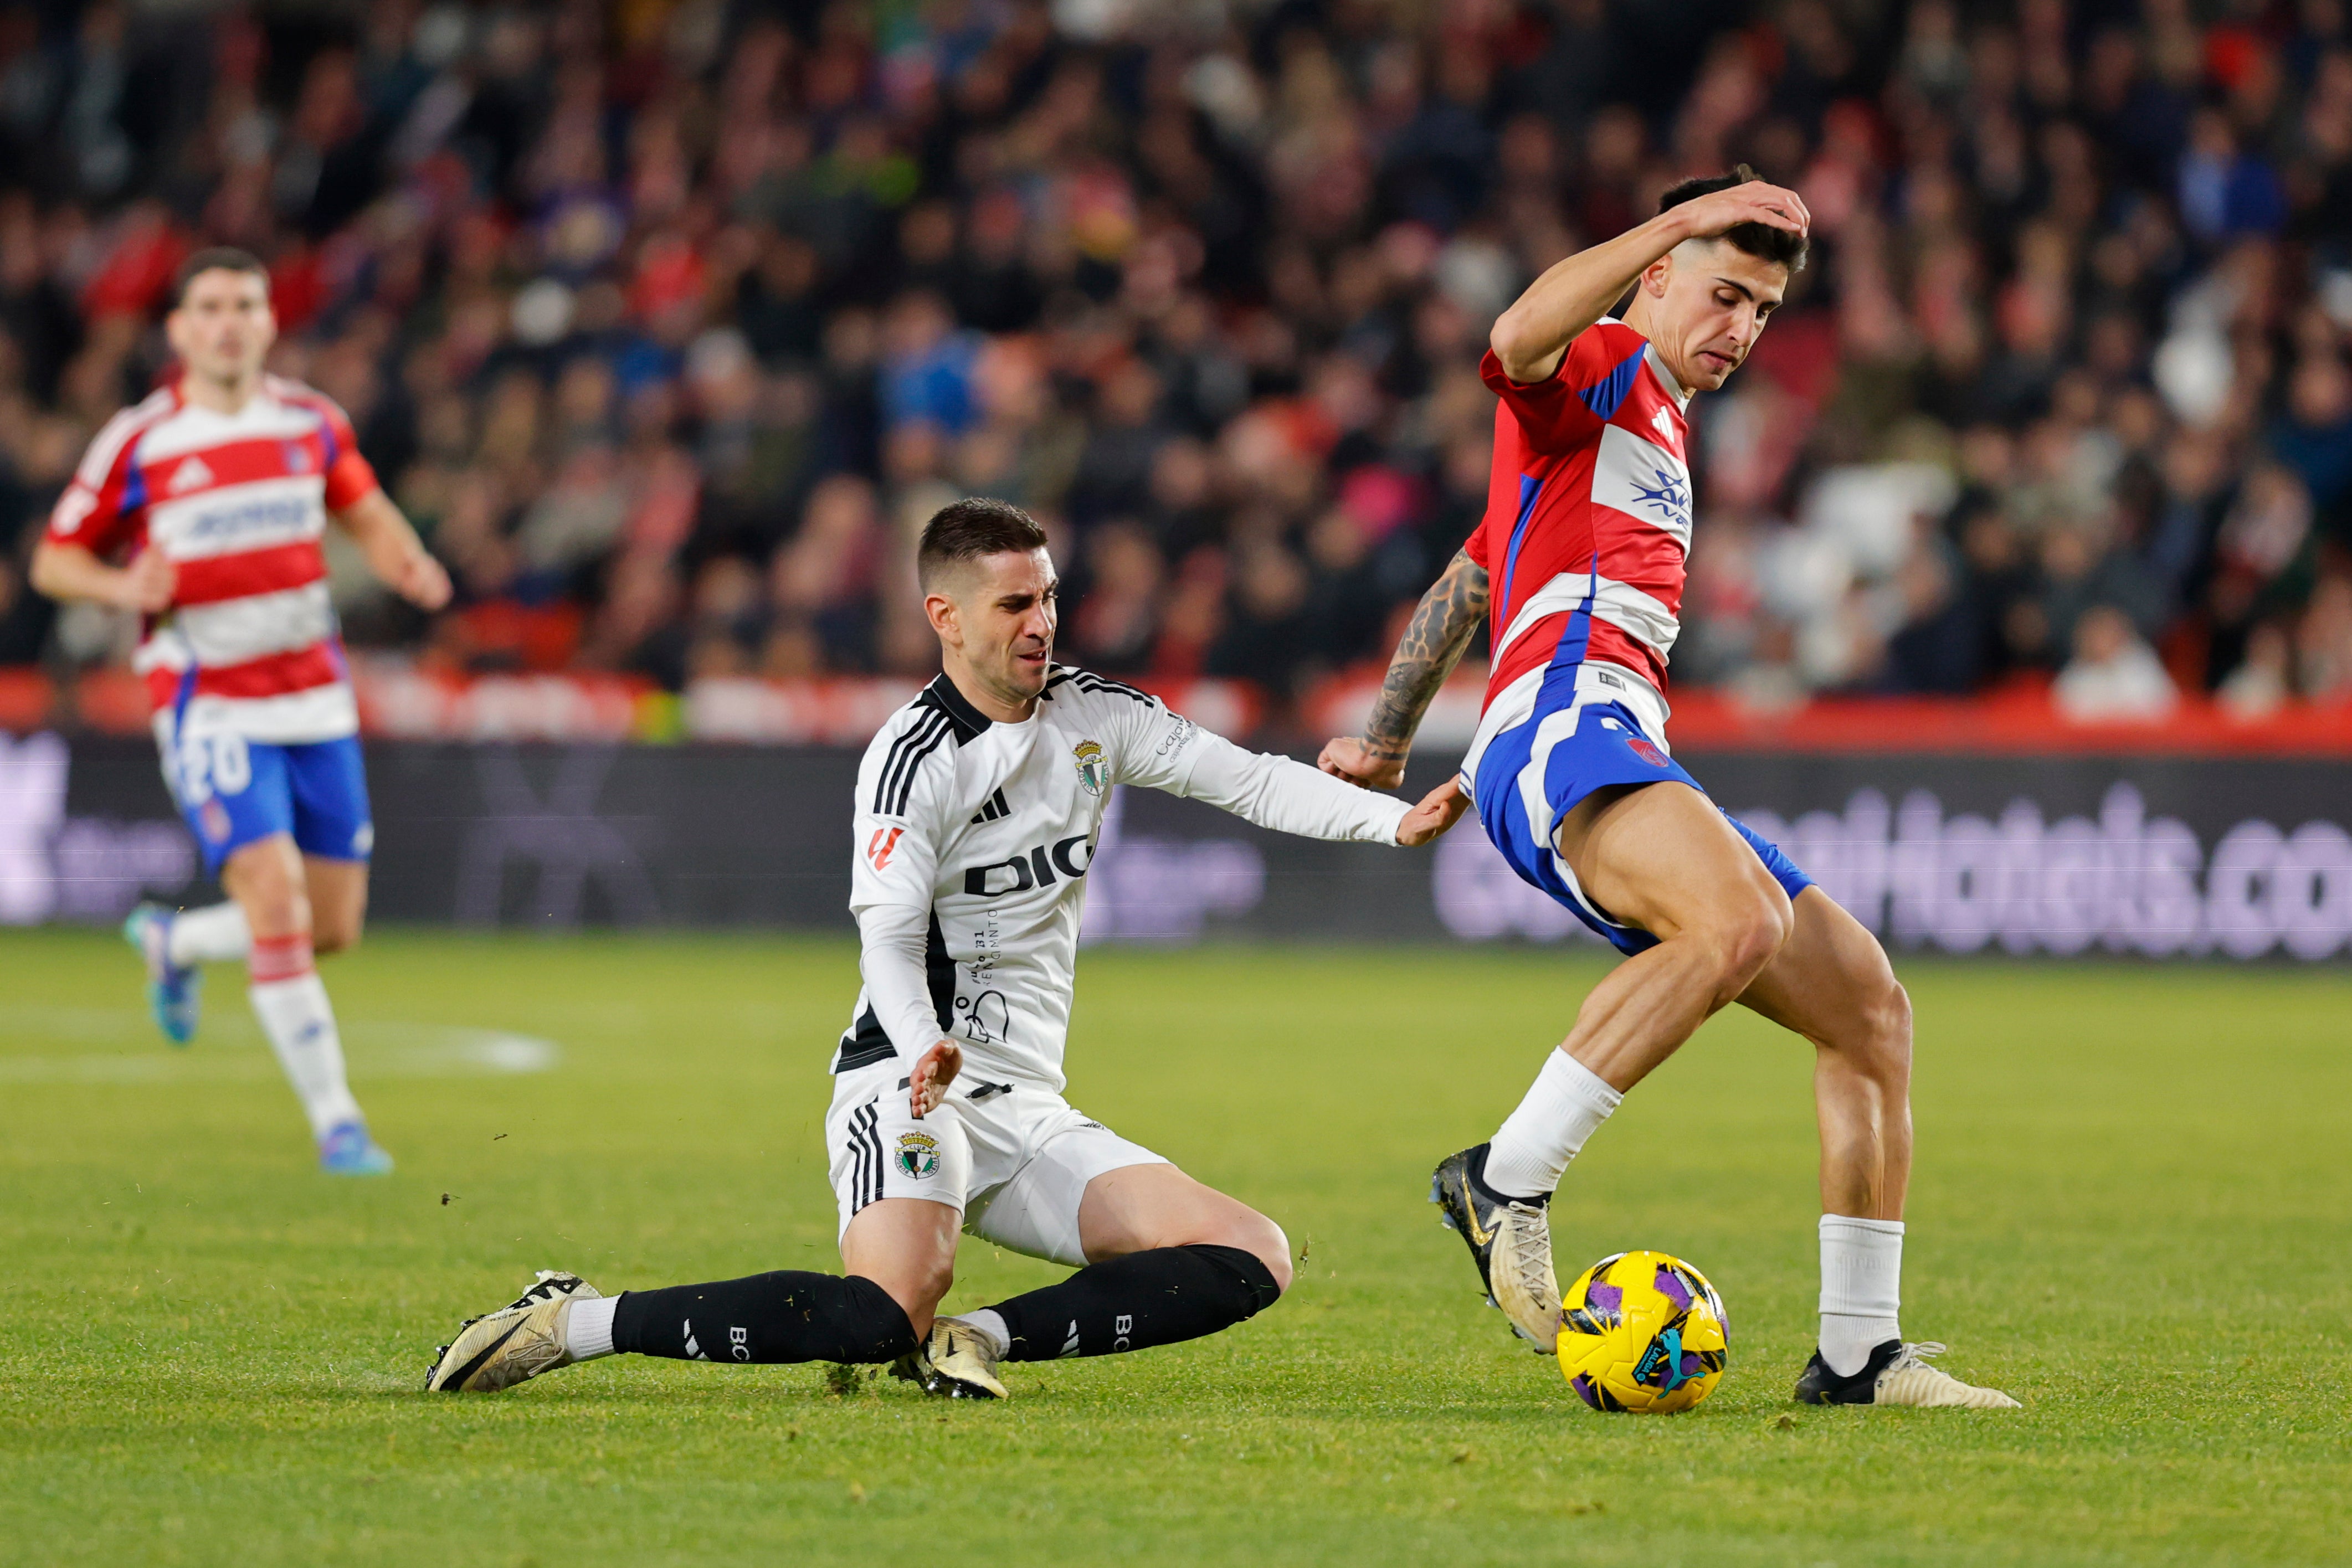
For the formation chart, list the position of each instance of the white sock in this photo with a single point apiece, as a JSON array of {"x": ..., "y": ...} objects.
[
  {"x": 1861, "y": 1287},
  {"x": 588, "y": 1328},
  {"x": 216, "y": 933},
  {"x": 1564, "y": 1107},
  {"x": 990, "y": 1323},
  {"x": 292, "y": 1003}
]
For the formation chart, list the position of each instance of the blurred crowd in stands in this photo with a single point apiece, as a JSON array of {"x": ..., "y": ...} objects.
[{"x": 670, "y": 322}]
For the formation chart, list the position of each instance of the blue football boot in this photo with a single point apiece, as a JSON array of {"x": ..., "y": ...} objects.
[
  {"x": 347, "y": 1150},
  {"x": 174, "y": 990}
]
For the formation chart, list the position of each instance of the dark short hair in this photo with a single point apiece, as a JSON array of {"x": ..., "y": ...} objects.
[
  {"x": 968, "y": 530},
  {"x": 215, "y": 258},
  {"x": 1756, "y": 239}
]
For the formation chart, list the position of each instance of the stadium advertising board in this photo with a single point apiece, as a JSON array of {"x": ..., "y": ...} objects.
[{"x": 2235, "y": 858}]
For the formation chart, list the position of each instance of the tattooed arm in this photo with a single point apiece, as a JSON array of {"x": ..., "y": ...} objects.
[{"x": 1442, "y": 628}]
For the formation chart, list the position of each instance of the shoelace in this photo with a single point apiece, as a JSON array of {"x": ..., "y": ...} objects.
[
  {"x": 1915, "y": 1353},
  {"x": 1531, "y": 1245}
]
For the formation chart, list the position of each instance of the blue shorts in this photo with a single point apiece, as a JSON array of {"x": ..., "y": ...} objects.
[
  {"x": 1561, "y": 753},
  {"x": 235, "y": 791}
]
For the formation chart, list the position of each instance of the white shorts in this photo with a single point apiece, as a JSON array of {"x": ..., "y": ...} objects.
[{"x": 1015, "y": 1158}]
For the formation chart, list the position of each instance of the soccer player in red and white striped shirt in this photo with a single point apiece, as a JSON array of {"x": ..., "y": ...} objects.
[
  {"x": 212, "y": 495},
  {"x": 1577, "y": 569}
]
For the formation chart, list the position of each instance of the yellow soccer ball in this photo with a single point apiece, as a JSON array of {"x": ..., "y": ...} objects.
[{"x": 1642, "y": 1332}]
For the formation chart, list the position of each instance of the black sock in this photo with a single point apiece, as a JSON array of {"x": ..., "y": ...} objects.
[
  {"x": 789, "y": 1315},
  {"x": 1159, "y": 1297}
]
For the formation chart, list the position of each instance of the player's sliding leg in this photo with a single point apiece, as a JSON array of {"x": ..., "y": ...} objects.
[
  {"x": 900, "y": 1257},
  {"x": 267, "y": 879},
  {"x": 1168, "y": 1260},
  {"x": 1660, "y": 858},
  {"x": 175, "y": 944},
  {"x": 1832, "y": 983}
]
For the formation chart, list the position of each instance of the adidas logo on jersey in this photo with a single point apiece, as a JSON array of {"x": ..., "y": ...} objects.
[
  {"x": 1663, "y": 422},
  {"x": 192, "y": 474}
]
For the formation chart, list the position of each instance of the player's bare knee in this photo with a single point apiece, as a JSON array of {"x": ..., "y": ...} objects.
[
  {"x": 1271, "y": 1248},
  {"x": 1251, "y": 1232},
  {"x": 333, "y": 937},
  {"x": 1748, "y": 931}
]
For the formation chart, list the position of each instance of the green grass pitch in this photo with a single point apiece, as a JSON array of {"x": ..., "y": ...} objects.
[{"x": 2131, "y": 1210}]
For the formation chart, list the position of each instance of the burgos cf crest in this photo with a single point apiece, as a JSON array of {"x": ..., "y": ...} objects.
[
  {"x": 919, "y": 1153},
  {"x": 1094, "y": 768}
]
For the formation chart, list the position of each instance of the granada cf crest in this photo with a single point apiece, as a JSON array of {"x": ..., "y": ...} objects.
[
  {"x": 1094, "y": 767},
  {"x": 1646, "y": 751},
  {"x": 919, "y": 1153}
]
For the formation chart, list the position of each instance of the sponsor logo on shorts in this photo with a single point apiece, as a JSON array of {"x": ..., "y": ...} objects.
[
  {"x": 919, "y": 1155},
  {"x": 1094, "y": 768},
  {"x": 1646, "y": 751}
]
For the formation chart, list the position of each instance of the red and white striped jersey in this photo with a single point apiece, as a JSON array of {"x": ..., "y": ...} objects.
[
  {"x": 1589, "y": 500},
  {"x": 238, "y": 503}
]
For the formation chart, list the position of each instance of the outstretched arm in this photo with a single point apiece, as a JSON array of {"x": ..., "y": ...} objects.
[
  {"x": 1530, "y": 336},
  {"x": 1440, "y": 632},
  {"x": 1165, "y": 751}
]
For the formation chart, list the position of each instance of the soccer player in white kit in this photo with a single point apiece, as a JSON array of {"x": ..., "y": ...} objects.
[
  {"x": 218, "y": 489},
  {"x": 978, "y": 811}
]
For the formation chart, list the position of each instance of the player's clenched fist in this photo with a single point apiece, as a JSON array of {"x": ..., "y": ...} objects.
[{"x": 926, "y": 1086}]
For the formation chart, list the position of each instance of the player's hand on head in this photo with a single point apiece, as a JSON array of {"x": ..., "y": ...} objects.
[
  {"x": 149, "y": 582},
  {"x": 926, "y": 1086},
  {"x": 1439, "y": 810},
  {"x": 1346, "y": 757},
  {"x": 1755, "y": 202}
]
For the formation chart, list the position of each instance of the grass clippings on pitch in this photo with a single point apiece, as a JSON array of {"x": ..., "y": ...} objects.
[{"x": 2131, "y": 1210}]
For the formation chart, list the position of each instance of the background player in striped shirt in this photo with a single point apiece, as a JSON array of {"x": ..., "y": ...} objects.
[
  {"x": 213, "y": 493},
  {"x": 1580, "y": 560}
]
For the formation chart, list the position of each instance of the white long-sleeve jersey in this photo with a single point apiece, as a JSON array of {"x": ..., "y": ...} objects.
[{"x": 972, "y": 842}]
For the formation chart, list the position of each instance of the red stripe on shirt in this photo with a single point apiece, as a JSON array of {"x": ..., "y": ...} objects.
[
  {"x": 236, "y": 463},
  {"x": 1645, "y": 558},
  {"x": 273, "y": 674},
  {"x": 208, "y": 579},
  {"x": 1613, "y": 646},
  {"x": 1536, "y": 645}
]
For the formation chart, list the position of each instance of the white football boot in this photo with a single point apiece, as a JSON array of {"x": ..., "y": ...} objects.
[
  {"x": 1897, "y": 1374},
  {"x": 1509, "y": 1240},
  {"x": 513, "y": 1344},
  {"x": 958, "y": 1362}
]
